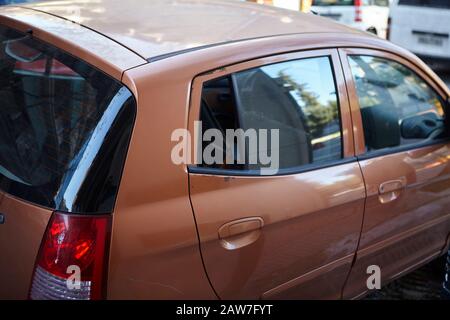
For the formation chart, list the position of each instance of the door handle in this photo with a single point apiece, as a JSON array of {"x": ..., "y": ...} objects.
[
  {"x": 390, "y": 190},
  {"x": 240, "y": 233}
]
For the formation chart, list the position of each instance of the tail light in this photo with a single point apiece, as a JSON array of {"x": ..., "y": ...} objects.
[
  {"x": 72, "y": 260},
  {"x": 358, "y": 10}
]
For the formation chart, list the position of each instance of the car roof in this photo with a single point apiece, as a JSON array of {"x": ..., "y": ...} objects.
[{"x": 159, "y": 28}]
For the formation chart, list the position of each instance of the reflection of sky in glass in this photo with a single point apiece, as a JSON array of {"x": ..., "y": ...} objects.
[{"x": 314, "y": 72}]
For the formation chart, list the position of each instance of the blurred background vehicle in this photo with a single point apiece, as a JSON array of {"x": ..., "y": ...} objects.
[
  {"x": 3, "y": 2},
  {"x": 367, "y": 15},
  {"x": 422, "y": 26},
  {"x": 286, "y": 4}
]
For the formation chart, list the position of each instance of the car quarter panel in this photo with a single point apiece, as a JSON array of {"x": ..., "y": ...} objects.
[
  {"x": 20, "y": 236},
  {"x": 154, "y": 250}
]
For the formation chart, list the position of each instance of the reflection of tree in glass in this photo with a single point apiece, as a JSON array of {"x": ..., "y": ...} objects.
[{"x": 317, "y": 115}]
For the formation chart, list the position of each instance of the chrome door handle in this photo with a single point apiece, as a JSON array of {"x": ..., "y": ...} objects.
[
  {"x": 390, "y": 190},
  {"x": 239, "y": 233}
]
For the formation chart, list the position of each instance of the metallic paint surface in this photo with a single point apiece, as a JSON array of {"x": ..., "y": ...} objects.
[
  {"x": 20, "y": 239},
  {"x": 159, "y": 27},
  {"x": 312, "y": 221}
]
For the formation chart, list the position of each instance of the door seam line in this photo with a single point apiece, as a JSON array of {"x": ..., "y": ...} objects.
[{"x": 198, "y": 239}]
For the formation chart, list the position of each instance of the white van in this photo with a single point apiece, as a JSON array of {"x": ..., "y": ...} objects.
[
  {"x": 423, "y": 27},
  {"x": 367, "y": 15}
]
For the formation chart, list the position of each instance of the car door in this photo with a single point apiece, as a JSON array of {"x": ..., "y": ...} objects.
[
  {"x": 402, "y": 144},
  {"x": 290, "y": 233}
]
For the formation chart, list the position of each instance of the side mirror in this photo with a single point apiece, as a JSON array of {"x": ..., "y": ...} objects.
[{"x": 420, "y": 126}]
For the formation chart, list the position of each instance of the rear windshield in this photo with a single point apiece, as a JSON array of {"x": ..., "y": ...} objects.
[
  {"x": 426, "y": 3},
  {"x": 64, "y": 127}
]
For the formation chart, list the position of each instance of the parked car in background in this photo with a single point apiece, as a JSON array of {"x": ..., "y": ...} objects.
[
  {"x": 89, "y": 187},
  {"x": 366, "y": 15},
  {"x": 423, "y": 27}
]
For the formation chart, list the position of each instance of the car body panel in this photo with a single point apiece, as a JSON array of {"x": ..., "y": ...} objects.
[
  {"x": 20, "y": 238},
  {"x": 412, "y": 229},
  {"x": 154, "y": 249},
  {"x": 155, "y": 28},
  {"x": 300, "y": 234}
]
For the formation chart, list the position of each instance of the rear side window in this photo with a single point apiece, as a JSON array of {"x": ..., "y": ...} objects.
[
  {"x": 64, "y": 127},
  {"x": 398, "y": 107},
  {"x": 296, "y": 97},
  {"x": 426, "y": 3}
]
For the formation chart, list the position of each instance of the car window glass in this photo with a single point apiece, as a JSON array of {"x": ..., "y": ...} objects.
[
  {"x": 397, "y": 106},
  {"x": 296, "y": 97},
  {"x": 57, "y": 119}
]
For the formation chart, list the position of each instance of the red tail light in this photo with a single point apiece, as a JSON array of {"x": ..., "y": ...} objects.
[
  {"x": 358, "y": 10},
  {"x": 72, "y": 242}
]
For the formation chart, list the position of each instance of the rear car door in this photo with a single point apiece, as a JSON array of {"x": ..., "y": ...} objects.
[
  {"x": 293, "y": 233},
  {"x": 404, "y": 151}
]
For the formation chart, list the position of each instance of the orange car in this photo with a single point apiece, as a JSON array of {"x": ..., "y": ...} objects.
[{"x": 100, "y": 198}]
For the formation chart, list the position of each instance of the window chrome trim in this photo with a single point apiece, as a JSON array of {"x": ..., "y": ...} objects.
[{"x": 281, "y": 172}]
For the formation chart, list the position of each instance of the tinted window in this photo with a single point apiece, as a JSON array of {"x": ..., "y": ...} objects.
[
  {"x": 426, "y": 3},
  {"x": 398, "y": 108},
  {"x": 64, "y": 127},
  {"x": 297, "y": 97}
]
